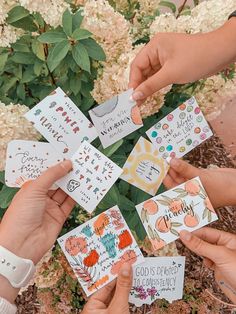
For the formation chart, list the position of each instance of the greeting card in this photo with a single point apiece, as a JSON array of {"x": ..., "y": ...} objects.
[
  {"x": 97, "y": 249},
  {"x": 92, "y": 176},
  {"x": 185, "y": 207},
  {"x": 116, "y": 118},
  {"x": 26, "y": 160},
  {"x": 145, "y": 168},
  {"x": 180, "y": 131},
  {"x": 158, "y": 278},
  {"x": 58, "y": 119}
]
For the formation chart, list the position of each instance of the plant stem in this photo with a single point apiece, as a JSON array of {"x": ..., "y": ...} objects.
[{"x": 181, "y": 8}]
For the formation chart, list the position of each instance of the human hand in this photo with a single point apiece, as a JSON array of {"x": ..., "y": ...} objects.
[
  {"x": 112, "y": 299},
  {"x": 215, "y": 181},
  {"x": 218, "y": 249},
  {"x": 181, "y": 58},
  {"x": 36, "y": 215}
]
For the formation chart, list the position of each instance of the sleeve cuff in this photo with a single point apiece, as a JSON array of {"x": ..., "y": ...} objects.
[{"x": 6, "y": 307}]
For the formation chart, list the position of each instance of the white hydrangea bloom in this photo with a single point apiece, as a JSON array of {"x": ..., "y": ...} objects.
[
  {"x": 5, "y": 6},
  {"x": 14, "y": 126},
  {"x": 8, "y": 35}
]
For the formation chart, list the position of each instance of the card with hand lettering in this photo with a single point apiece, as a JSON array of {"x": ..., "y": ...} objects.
[
  {"x": 144, "y": 167},
  {"x": 180, "y": 131},
  {"x": 97, "y": 249},
  {"x": 26, "y": 160},
  {"x": 116, "y": 118},
  {"x": 58, "y": 119},
  {"x": 158, "y": 278},
  {"x": 185, "y": 207},
  {"x": 92, "y": 176}
]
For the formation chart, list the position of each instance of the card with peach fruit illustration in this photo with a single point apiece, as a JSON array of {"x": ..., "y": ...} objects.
[
  {"x": 92, "y": 176},
  {"x": 185, "y": 207},
  {"x": 61, "y": 122},
  {"x": 180, "y": 131},
  {"x": 116, "y": 118},
  {"x": 144, "y": 167},
  {"x": 158, "y": 278},
  {"x": 97, "y": 249}
]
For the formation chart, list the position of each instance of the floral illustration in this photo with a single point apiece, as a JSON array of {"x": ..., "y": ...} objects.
[{"x": 141, "y": 293}]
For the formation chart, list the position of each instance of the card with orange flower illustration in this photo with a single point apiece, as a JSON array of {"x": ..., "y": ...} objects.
[
  {"x": 116, "y": 118},
  {"x": 144, "y": 167},
  {"x": 185, "y": 207},
  {"x": 180, "y": 131},
  {"x": 97, "y": 249}
]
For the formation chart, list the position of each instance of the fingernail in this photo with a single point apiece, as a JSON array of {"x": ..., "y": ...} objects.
[
  {"x": 168, "y": 160},
  {"x": 125, "y": 270},
  {"x": 138, "y": 96},
  {"x": 185, "y": 235},
  {"x": 66, "y": 164},
  {"x": 174, "y": 162}
]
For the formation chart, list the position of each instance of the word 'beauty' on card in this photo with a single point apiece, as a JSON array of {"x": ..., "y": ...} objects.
[
  {"x": 158, "y": 278},
  {"x": 185, "y": 207},
  {"x": 92, "y": 176},
  {"x": 97, "y": 249},
  {"x": 180, "y": 131},
  {"x": 26, "y": 160},
  {"x": 116, "y": 118},
  {"x": 58, "y": 119},
  {"x": 144, "y": 167}
]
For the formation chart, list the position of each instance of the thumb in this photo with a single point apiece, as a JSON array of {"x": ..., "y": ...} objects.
[
  {"x": 123, "y": 287},
  {"x": 184, "y": 169},
  {"x": 50, "y": 176},
  {"x": 154, "y": 83},
  {"x": 201, "y": 247}
]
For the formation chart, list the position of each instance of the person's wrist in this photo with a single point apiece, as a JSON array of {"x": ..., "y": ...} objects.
[{"x": 7, "y": 291}]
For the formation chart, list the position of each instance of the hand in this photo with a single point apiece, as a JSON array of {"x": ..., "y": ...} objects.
[
  {"x": 181, "y": 58},
  {"x": 218, "y": 249},
  {"x": 214, "y": 181},
  {"x": 36, "y": 215},
  {"x": 106, "y": 301}
]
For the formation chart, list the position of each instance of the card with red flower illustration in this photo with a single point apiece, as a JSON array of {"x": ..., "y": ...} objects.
[
  {"x": 185, "y": 207},
  {"x": 158, "y": 278},
  {"x": 92, "y": 177},
  {"x": 61, "y": 122},
  {"x": 97, "y": 249},
  {"x": 180, "y": 131},
  {"x": 116, "y": 118}
]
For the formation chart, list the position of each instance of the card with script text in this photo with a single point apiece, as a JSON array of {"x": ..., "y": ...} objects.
[
  {"x": 158, "y": 278},
  {"x": 26, "y": 160},
  {"x": 97, "y": 249},
  {"x": 92, "y": 176},
  {"x": 180, "y": 131},
  {"x": 58, "y": 119},
  {"x": 144, "y": 167},
  {"x": 185, "y": 207},
  {"x": 116, "y": 118}
]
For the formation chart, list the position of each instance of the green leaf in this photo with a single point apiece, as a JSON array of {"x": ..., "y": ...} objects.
[
  {"x": 3, "y": 60},
  {"x": 94, "y": 50},
  {"x": 109, "y": 151},
  {"x": 16, "y": 14},
  {"x": 38, "y": 67},
  {"x": 67, "y": 22},
  {"x": 81, "y": 34},
  {"x": 9, "y": 84},
  {"x": 123, "y": 187},
  {"x": 173, "y": 231},
  {"x": 22, "y": 47},
  {"x": 38, "y": 49},
  {"x": 75, "y": 84},
  {"x": 125, "y": 204},
  {"x": 179, "y": 190},
  {"x": 110, "y": 199},
  {"x": 169, "y": 5},
  {"x": 81, "y": 57},
  {"x": 20, "y": 91},
  {"x": 77, "y": 19},
  {"x": 23, "y": 58},
  {"x": 52, "y": 37},
  {"x": 143, "y": 215},
  {"x": 165, "y": 203},
  {"x": 2, "y": 177},
  {"x": 150, "y": 232},
  {"x": 6, "y": 196},
  {"x": 57, "y": 54},
  {"x": 176, "y": 224},
  {"x": 209, "y": 216}
]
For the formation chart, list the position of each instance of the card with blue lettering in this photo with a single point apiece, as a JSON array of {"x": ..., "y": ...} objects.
[
  {"x": 158, "y": 278},
  {"x": 116, "y": 118},
  {"x": 180, "y": 131},
  {"x": 26, "y": 160},
  {"x": 185, "y": 207},
  {"x": 97, "y": 249},
  {"x": 92, "y": 176},
  {"x": 61, "y": 122}
]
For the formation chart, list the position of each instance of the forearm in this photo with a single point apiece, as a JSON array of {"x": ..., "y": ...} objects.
[{"x": 7, "y": 291}]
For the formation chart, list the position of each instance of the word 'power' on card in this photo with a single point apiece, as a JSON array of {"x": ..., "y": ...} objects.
[
  {"x": 158, "y": 278},
  {"x": 58, "y": 119},
  {"x": 92, "y": 176},
  {"x": 26, "y": 160},
  {"x": 144, "y": 167},
  {"x": 116, "y": 118},
  {"x": 180, "y": 131},
  {"x": 185, "y": 207},
  {"x": 97, "y": 249}
]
